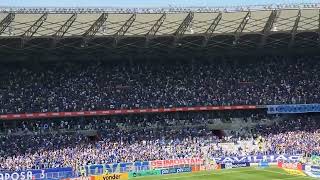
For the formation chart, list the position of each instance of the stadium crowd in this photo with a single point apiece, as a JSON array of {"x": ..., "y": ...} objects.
[
  {"x": 73, "y": 86},
  {"x": 61, "y": 143}
]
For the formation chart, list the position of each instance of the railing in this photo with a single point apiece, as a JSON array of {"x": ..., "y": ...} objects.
[{"x": 122, "y": 111}]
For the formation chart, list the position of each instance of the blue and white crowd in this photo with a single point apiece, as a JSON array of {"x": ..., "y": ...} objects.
[
  {"x": 93, "y": 85},
  {"x": 74, "y": 86},
  {"x": 65, "y": 143}
]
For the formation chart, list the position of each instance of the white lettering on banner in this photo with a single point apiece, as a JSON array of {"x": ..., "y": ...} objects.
[
  {"x": 256, "y": 159},
  {"x": 16, "y": 176},
  {"x": 239, "y": 160},
  {"x": 175, "y": 162}
]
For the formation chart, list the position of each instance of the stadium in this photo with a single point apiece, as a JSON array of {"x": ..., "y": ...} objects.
[{"x": 160, "y": 93}]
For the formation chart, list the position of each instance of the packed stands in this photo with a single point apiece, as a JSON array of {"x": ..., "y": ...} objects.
[
  {"x": 76, "y": 142},
  {"x": 72, "y": 86}
]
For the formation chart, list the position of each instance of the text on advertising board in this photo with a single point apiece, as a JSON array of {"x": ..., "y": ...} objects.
[
  {"x": 175, "y": 162},
  {"x": 16, "y": 176},
  {"x": 116, "y": 176},
  {"x": 257, "y": 159},
  {"x": 98, "y": 169}
]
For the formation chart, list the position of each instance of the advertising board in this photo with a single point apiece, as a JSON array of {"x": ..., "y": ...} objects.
[
  {"x": 263, "y": 164},
  {"x": 235, "y": 165},
  {"x": 258, "y": 158},
  {"x": 175, "y": 170},
  {"x": 122, "y": 167},
  {"x": 313, "y": 171},
  {"x": 50, "y": 173},
  {"x": 80, "y": 178},
  {"x": 144, "y": 173},
  {"x": 175, "y": 162},
  {"x": 116, "y": 176}
]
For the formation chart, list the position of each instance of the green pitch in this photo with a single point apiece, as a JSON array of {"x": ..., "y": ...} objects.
[{"x": 231, "y": 174}]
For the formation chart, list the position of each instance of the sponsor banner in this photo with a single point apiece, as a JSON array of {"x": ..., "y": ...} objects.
[
  {"x": 51, "y": 173},
  {"x": 122, "y": 167},
  {"x": 235, "y": 165},
  {"x": 263, "y": 164},
  {"x": 258, "y": 158},
  {"x": 122, "y": 111},
  {"x": 116, "y": 176},
  {"x": 313, "y": 171},
  {"x": 80, "y": 178},
  {"x": 296, "y": 166},
  {"x": 16, "y": 176},
  {"x": 176, "y": 170},
  {"x": 144, "y": 173},
  {"x": 312, "y": 174},
  {"x": 293, "y": 108},
  {"x": 176, "y": 162}
]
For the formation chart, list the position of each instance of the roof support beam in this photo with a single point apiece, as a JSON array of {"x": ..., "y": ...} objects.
[
  {"x": 94, "y": 28},
  {"x": 294, "y": 29},
  {"x": 211, "y": 29},
  {"x": 26, "y": 36},
  {"x": 124, "y": 28},
  {"x": 241, "y": 26},
  {"x": 182, "y": 28},
  {"x": 64, "y": 28},
  {"x": 154, "y": 29},
  {"x": 33, "y": 29},
  {"x": 6, "y": 22},
  {"x": 269, "y": 25}
]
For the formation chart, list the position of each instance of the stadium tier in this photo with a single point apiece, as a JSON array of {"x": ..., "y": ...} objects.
[
  {"x": 213, "y": 94},
  {"x": 94, "y": 86}
]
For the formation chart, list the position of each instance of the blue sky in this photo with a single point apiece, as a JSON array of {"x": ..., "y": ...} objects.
[{"x": 143, "y": 3}]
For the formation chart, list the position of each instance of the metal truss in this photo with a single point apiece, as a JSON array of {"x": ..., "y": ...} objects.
[
  {"x": 211, "y": 29},
  {"x": 241, "y": 26},
  {"x": 182, "y": 28},
  {"x": 6, "y": 22},
  {"x": 33, "y": 29},
  {"x": 124, "y": 28},
  {"x": 94, "y": 28},
  {"x": 269, "y": 25},
  {"x": 154, "y": 29},
  {"x": 221, "y": 31},
  {"x": 64, "y": 28},
  {"x": 294, "y": 29}
]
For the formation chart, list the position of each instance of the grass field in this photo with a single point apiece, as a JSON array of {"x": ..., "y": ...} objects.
[{"x": 232, "y": 174}]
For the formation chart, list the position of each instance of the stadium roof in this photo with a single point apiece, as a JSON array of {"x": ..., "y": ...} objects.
[{"x": 55, "y": 31}]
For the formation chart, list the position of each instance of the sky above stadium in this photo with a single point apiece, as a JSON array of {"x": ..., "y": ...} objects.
[{"x": 144, "y": 3}]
